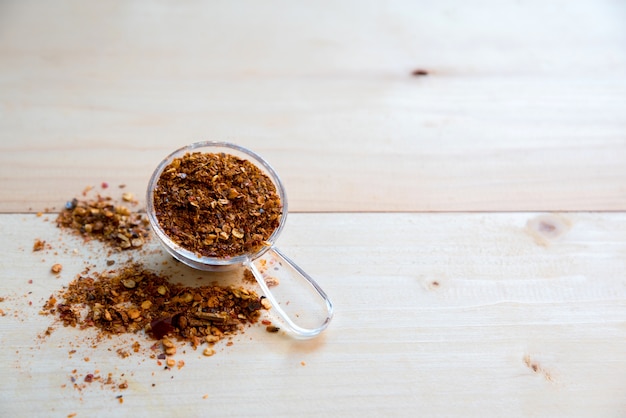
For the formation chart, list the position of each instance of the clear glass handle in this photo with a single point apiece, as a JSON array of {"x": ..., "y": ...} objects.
[{"x": 302, "y": 305}]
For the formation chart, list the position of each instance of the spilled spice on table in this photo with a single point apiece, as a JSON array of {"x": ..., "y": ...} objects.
[
  {"x": 216, "y": 205},
  {"x": 131, "y": 299},
  {"x": 108, "y": 221}
]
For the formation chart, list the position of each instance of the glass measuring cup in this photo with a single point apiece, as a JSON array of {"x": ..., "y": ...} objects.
[{"x": 302, "y": 305}]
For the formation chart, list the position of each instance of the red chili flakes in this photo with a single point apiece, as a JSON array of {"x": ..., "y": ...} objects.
[
  {"x": 103, "y": 219},
  {"x": 132, "y": 299},
  {"x": 216, "y": 205},
  {"x": 39, "y": 245},
  {"x": 50, "y": 304}
]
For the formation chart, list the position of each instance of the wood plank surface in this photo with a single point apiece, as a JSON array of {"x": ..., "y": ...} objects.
[
  {"x": 456, "y": 173},
  {"x": 519, "y": 314},
  {"x": 522, "y": 107}
]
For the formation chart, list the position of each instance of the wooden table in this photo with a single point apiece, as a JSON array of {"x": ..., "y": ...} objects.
[{"x": 456, "y": 176}]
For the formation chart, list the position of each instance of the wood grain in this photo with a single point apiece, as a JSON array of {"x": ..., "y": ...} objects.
[
  {"x": 519, "y": 314},
  {"x": 456, "y": 177},
  {"x": 522, "y": 107}
]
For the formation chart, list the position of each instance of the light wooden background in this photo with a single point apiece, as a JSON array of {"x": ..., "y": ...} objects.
[
  {"x": 523, "y": 107},
  {"x": 470, "y": 224}
]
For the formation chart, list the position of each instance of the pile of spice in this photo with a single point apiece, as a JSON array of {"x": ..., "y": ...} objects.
[
  {"x": 103, "y": 219},
  {"x": 132, "y": 299},
  {"x": 216, "y": 205}
]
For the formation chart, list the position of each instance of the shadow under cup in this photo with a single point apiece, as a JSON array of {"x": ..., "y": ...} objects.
[{"x": 301, "y": 304}]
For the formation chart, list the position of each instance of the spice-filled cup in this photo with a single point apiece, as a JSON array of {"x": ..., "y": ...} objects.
[{"x": 216, "y": 206}]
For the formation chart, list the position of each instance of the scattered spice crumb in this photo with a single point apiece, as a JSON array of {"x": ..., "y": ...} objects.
[
  {"x": 272, "y": 328},
  {"x": 168, "y": 347},
  {"x": 302, "y": 363},
  {"x": 272, "y": 281},
  {"x": 56, "y": 268},
  {"x": 205, "y": 396},
  {"x": 265, "y": 302},
  {"x": 48, "y": 331},
  {"x": 39, "y": 245},
  {"x": 122, "y": 353}
]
